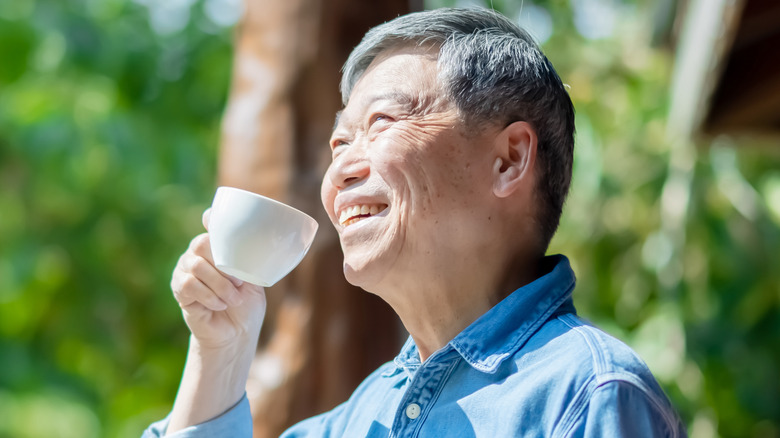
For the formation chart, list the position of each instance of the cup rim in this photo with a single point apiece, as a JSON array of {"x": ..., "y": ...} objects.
[{"x": 274, "y": 201}]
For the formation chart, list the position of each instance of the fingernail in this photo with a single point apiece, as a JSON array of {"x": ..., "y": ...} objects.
[
  {"x": 220, "y": 305},
  {"x": 236, "y": 281}
]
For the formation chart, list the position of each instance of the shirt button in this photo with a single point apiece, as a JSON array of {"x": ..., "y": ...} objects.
[{"x": 413, "y": 411}]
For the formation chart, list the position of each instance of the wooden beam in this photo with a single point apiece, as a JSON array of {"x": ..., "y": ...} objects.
[
  {"x": 707, "y": 33},
  {"x": 747, "y": 96}
]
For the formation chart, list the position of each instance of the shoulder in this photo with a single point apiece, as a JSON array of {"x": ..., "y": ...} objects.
[
  {"x": 576, "y": 352},
  {"x": 614, "y": 387},
  {"x": 602, "y": 355}
]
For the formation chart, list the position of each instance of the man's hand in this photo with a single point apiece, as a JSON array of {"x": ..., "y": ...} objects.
[
  {"x": 224, "y": 316},
  {"x": 219, "y": 310}
]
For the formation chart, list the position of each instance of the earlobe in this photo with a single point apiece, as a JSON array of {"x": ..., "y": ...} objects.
[{"x": 516, "y": 155}]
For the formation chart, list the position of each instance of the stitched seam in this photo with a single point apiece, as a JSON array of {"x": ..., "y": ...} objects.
[
  {"x": 639, "y": 384},
  {"x": 579, "y": 404},
  {"x": 575, "y": 408},
  {"x": 596, "y": 354},
  {"x": 603, "y": 376}
]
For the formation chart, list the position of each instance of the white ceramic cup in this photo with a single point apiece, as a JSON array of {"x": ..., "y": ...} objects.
[{"x": 257, "y": 239}]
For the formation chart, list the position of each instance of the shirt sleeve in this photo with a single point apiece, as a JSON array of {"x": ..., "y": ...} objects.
[
  {"x": 234, "y": 423},
  {"x": 623, "y": 409}
]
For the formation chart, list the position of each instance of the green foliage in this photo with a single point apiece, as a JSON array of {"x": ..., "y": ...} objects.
[{"x": 108, "y": 136}]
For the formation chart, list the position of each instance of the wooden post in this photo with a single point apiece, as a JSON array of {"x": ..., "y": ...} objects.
[{"x": 321, "y": 336}]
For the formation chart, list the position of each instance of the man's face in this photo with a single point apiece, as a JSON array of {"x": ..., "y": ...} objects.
[{"x": 406, "y": 184}]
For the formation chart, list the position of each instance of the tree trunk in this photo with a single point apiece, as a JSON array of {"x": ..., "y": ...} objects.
[{"x": 321, "y": 336}]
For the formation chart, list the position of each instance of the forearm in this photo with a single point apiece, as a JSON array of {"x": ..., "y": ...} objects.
[{"x": 214, "y": 380}]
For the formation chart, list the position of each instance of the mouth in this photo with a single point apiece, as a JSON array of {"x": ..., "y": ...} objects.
[{"x": 356, "y": 213}]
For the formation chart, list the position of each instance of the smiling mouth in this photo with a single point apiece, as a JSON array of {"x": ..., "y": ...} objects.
[{"x": 356, "y": 213}]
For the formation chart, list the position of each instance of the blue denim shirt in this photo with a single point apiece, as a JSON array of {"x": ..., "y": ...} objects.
[{"x": 529, "y": 367}]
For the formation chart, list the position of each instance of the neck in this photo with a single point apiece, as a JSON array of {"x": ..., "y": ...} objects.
[{"x": 438, "y": 302}]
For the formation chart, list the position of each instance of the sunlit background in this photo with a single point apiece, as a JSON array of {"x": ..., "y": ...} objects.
[{"x": 109, "y": 129}]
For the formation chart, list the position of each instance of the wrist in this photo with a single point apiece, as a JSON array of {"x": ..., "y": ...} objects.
[
  {"x": 228, "y": 364},
  {"x": 214, "y": 380},
  {"x": 223, "y": 352}
]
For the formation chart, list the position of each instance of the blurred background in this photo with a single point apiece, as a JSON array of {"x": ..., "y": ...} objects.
[{"x": 112, "y": 141}]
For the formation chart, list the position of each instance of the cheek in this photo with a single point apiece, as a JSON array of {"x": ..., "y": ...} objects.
[
  {"x": 433, "y": 189},
  {"x": 418, "y": 174},
  {"x": 328, "y": 195}
]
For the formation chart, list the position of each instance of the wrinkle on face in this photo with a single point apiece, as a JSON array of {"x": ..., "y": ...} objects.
[
  {"x": 418, "y": 160},
  {"x": 422, "y": 178}
]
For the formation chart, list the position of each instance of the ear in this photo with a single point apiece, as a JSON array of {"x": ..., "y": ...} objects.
[{"x": 515, "y": 149}]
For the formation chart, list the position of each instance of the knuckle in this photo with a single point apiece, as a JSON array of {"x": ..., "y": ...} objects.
[
  {"x": 200, "y": 243},
  {"x": 189, "y": 283},
  {"x": 200, "y": 267}
]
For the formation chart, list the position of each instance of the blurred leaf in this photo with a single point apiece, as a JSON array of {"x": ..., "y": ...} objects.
[{"x": 16, "y": 45}]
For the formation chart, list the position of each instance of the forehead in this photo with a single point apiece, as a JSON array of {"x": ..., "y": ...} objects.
[
  {"x": 407, "y": 76},
  {"x": 407, "y": 65}
]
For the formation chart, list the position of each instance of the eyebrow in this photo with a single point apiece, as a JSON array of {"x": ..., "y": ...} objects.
[
  {"x": 417, "y": 104},
  {"x": 414, "y": 104},
  {"x": 397, "y": 96}
]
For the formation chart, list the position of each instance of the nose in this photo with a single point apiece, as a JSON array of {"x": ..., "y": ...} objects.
[{"x": 349, "y": 167}]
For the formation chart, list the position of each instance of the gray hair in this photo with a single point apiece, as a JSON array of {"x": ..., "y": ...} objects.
[{"x": 493, "y": 72}]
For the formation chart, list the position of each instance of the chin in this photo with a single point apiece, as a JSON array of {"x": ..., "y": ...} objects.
[
  {"x": 361, "y": 274},
  {"x": 355, "y": 275},
  {"x": 352, "y": 277},
  {"x": 368, "y": 261}
]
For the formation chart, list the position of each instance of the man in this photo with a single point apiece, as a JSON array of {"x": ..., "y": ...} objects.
[{"x": 451, "y": 163}]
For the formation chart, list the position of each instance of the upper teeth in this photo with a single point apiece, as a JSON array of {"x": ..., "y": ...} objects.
[{"x": 349, "y": 214}]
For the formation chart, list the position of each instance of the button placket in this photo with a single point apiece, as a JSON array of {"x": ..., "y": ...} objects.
[{"x": 420, "y": 395}]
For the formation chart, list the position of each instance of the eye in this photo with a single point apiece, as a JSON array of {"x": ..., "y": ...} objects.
[
  {"x": 378, "y": 117},
  {"x": 378, "y": 122},
  {"x": 336, "y": 142}
]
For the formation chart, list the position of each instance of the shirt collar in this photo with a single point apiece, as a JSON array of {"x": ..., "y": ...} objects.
[{"x": 505, "y": 328}]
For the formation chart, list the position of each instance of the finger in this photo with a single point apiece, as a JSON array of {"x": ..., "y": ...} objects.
[
  {"x": 190, "y": 289},
  {"x": 201, "y": 247},
  {"x": 215, "y": 280},
  {"x": 194, "y": 312},
  {"x": 237, "y": 282},
  {"x": 195, "y": 315},
  {"x": 205, "y": 218}
]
